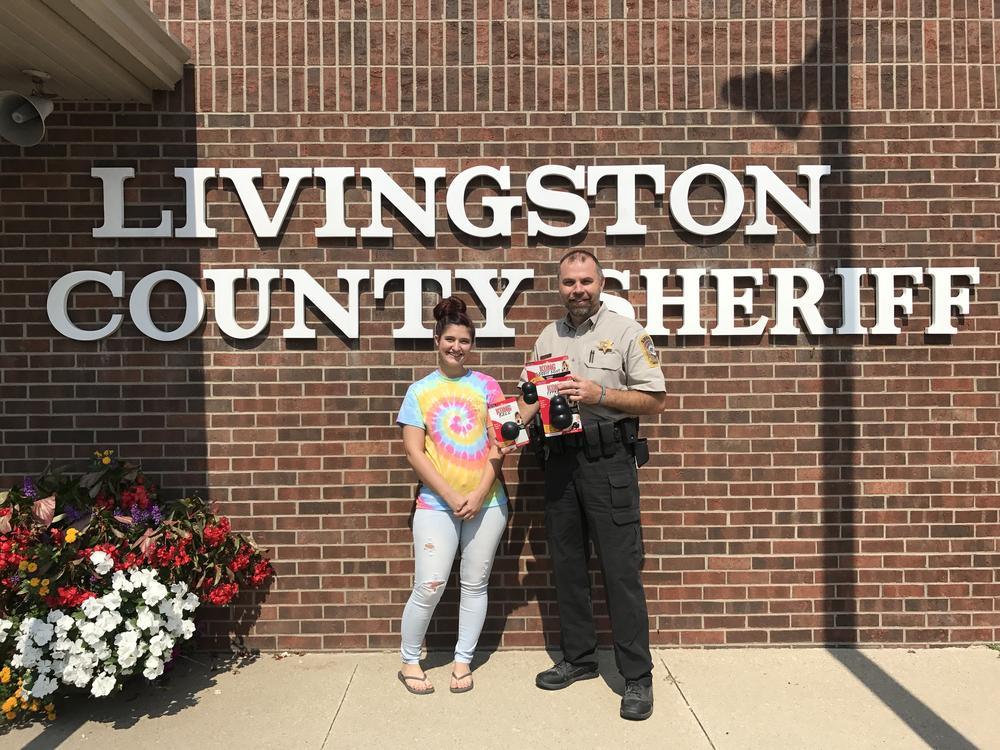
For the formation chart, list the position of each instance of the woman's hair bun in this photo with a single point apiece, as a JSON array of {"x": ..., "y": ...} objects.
[{"x": 449, "y": 307}]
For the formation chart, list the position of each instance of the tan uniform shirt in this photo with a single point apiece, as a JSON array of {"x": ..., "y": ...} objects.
[{"x": 608, "y": 348}]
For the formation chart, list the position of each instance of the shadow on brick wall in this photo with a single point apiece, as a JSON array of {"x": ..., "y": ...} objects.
[
  {"x": 824, "y": 71},
  {"x": 783, "y": 98},
  {"x": 64, "y": 398}
]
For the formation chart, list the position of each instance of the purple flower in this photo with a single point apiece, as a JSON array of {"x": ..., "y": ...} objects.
[
  {"x": 151, "y": 516},
  {"x": 73, "y": 515},
  {"x": 28, "y": 489}
]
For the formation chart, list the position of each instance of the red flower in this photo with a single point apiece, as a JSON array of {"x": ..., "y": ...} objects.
[
  {"x": 163, "y": 556},
  {"x": 14, "y": 546},
  {"x": 216, "y": 535},
  {"x": 223, "y": 594},
  {"x": 242, "y": 559},
  {"x": 131, "y": 560},
  {"x": 135, "y": 497},
  {"x": 56, "y": 534},
  {"x": 182, "y": 557},
  {"x": 261, "y": 572},
  {"x": 68, "y": 596}
]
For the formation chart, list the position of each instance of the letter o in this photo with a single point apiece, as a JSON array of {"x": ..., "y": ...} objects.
[
  {"x": 732, "y": 192},
  {"x": 194, "y": 311}
]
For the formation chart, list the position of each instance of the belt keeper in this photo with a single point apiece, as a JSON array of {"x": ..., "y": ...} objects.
[
  {"x": 592, "y": 439},
  {"x": 609, "y": 446}
]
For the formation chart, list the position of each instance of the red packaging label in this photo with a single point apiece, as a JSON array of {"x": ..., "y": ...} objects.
[
  {"x": 546, "y": 390},
  {"x": 547, "y": 369},
  {"x": 503, "y": 412}
]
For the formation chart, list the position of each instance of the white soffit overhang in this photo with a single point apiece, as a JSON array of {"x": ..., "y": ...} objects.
[{"x": 112, "y": 50}]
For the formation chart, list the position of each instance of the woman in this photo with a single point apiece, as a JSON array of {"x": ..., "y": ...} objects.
[{"x": 461, "y": 503}]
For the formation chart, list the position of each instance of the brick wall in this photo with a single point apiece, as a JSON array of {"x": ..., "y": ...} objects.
[{"x": 802, "y": 490}]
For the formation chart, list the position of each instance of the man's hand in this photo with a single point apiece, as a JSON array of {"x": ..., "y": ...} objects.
[{"x": 580, "y": 390}]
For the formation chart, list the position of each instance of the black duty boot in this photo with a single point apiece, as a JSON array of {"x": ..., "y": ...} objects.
[
  {"x": 637, "y": 703},
  {"x": 564, "y": 674}
]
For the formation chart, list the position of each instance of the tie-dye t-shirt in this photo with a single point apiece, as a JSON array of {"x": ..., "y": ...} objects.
[{"x": 452, "y": 413}]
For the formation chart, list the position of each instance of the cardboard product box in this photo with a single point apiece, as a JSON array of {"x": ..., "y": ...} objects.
[
  {"x": 506, "y": 411},
  {"x": 546, "y": 390},
  {"x": 547, "y": 369}
]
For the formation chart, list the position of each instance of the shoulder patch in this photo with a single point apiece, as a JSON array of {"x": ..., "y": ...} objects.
[{"x": 648, "y": 350}]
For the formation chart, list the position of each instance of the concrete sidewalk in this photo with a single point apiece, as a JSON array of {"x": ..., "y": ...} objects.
[{"x": 755, "y": 699}]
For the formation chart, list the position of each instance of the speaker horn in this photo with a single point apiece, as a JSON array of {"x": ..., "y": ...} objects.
[{"x": 22, "y": 118}]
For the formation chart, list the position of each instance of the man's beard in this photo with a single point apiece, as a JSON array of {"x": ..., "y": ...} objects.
[{"x": 580, "y": 310}]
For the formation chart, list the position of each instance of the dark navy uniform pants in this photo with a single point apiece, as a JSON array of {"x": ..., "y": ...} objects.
[{"x": 598, "y": 499}]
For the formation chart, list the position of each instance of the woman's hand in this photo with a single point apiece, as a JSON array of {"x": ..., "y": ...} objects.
[
  {"x": 506, "y": 450},
  {"x": 472, "y": 504},
  {"x": 456, "y": 501}
]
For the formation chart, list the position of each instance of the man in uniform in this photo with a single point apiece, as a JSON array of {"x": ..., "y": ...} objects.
[{"x": 591, "y": 481}]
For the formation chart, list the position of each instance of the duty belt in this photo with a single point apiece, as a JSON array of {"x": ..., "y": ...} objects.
[{"x": 601, "y": 439}]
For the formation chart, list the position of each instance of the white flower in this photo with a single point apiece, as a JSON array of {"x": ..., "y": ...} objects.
[
  {"x": 79, "y": 666},
  {"x": 54, "y": 616},
  {"x": 64, "y": 623},
  {"x": 112, "y": 601},
  {"x": 103, "y": 562},
  {"x": 154, "y": 668},
  {"x": 155, "y": 591},
  {"x": 103, "y": 685},
  {"x": 76, "y": 675},
  {"x": 146, "y": 619},
  {"x": 40, "y": 630},
  {"x": 129, "y": 649},
  {"x": 90, "y": 633},
  {"x": 43, "y": 686},
  {"x": 108, "y": 621},
  {"x": 5, "y": 626},
  {"x": 121, "y": 582},
  {"x": 159, "y": 643},
  {"x": 102, "y": 652},
  {"x": 92, "y": 607},
  {"x": 141, "y": 577},
  {"x": 58, "y": 665},
  {"x": 170, "y": 608},
  {"x": 173, "y": 625},
  {"x": 26, "y": 656},
  {"x": 187, "y": 629}
]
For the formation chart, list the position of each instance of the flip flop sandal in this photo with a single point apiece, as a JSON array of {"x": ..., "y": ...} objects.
[
  {"x": 462, "y": 677},
  {"x": 416, "y": 691}
]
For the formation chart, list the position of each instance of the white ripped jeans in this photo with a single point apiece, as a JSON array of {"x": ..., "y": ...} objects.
[{"x": 437, "y": 536}]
